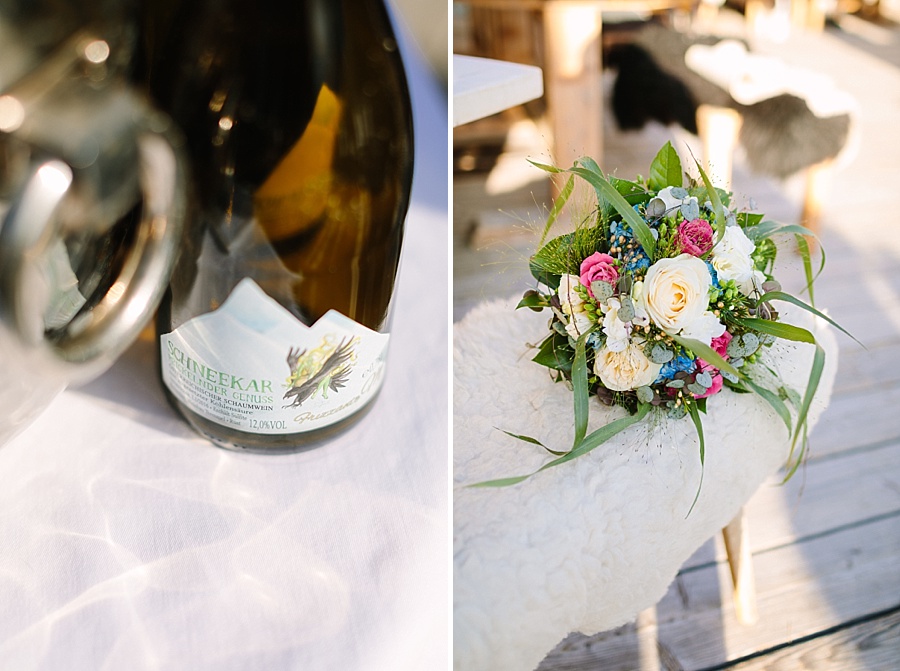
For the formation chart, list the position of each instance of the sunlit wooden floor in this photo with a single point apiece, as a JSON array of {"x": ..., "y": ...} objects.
[{"x": 826, "y": 547}]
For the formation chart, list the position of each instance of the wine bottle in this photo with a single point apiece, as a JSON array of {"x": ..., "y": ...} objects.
[{"x": 274, "y": 331}]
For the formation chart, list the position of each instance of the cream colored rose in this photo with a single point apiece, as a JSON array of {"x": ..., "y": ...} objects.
[
  {"x": 676, "y": 294},
  {"x": 625, "y": 370}
]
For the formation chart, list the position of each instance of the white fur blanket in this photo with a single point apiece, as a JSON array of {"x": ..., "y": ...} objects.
[{"x": 587, "y": 545}]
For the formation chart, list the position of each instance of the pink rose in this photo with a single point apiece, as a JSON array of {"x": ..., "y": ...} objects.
[
  {"x": 598, "y": 267},
  {"x": 720, "y": 345},
  {"x": 717, "y": 380},
  {"x": 695, "y": 237}
]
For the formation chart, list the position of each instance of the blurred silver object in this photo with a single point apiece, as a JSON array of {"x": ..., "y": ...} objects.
[{"x": 91, "y": 204}]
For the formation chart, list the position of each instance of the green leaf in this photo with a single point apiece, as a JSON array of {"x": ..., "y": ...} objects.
[
  {"x": 695, "y": 417},
  {"x": 633, "y": 192},
  {"x": 607, "y": 191},
  {"x": 788, "y": 298},
  {"x": 601, "y": 435},
  {"x": 529, "y": 439},
  {"x": 580, "y": 388},
  {"x": 747, "y": 220},
  {"x": 767, "y": 229},
  {"x": 565, "y": 253},
  {"x": 587, "y": 444},
  {"x": 707, "y": 353},
  {"x": 716, "y": 201},
  {"x": 545, "y": 277},
  {"x": 773, "y": 400},
  {"x": 558, "y": 205},
  {"x": 665, "y": 169},
  {"x": 815, "y": 376},
  {"x": 546, "y": 168},
  {"x": 803, "y": 248},
  {"x": 555, "y": 353},
  {"x": 533, "y": 300},
  {"x": 777, "y": 329}
]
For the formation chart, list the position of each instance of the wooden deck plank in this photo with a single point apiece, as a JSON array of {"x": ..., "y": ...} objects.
[
  {"x": 802, "y": 589},
  {"x": 871, "y": 644},
  {"x": 831, "y": 494}
]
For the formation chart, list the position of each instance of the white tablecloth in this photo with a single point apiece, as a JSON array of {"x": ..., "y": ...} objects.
[{"x": 128, "y": 542}]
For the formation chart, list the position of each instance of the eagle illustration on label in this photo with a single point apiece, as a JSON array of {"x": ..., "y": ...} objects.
[{"x": 318, "y": 370}]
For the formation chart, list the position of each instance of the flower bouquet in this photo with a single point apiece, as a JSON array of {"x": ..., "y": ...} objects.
[{"x": 659, "y": 299}]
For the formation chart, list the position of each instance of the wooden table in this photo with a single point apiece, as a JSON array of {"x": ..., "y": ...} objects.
[
  {"x": 572, "y": 65},
  {"x": 484, "y": 86}
]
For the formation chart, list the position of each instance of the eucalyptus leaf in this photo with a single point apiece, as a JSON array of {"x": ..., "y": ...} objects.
[
  {"x": 656, "y": 208},
  {"x": 602, "y": 291},
  {"x": 704, "y": 379},
  {"x": 735, "y": 348},
  {"x": 697, "y": 389},
  {"x": 660, "y": 354},
  {"x": 676, "y": 412},
  {"x": 675, "y": 384},
  {"x": 751, "y": 343},
  {"x": 690, "y": 210},
  {"x": 644, "y": 394},
  {"x": 626, "y": 311}
]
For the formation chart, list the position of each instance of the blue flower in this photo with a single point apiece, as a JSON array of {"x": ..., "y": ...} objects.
[
  {"x": 713, "y": 274},
  {"x": 679, "y": 363},
  {"x": 633, "y": 259}
]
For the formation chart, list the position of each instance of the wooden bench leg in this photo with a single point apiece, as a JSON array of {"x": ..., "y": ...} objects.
[
  {"x": 818, "y": 179},
  {"x": 737, "y": 547},
  {"x": 719, "y": 129}
]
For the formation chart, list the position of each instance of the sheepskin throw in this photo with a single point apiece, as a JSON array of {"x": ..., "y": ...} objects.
[{"x": 587, "y": 545}]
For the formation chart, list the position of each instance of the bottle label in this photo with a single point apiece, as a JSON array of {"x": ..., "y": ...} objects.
[{"x": 253, "y": 366}]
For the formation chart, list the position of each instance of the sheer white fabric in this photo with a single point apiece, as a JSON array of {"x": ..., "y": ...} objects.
[{"x": 128, "y": 542}]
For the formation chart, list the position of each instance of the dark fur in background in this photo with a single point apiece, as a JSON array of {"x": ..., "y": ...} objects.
[
  {"x": 644, "y": 92},
  {"x": 780, "y": 135}
]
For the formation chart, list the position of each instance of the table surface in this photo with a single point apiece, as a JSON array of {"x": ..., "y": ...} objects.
[
  {"x": 127, "y": 541},
  {"x": 605, "y": 5},
  {"x": 485, "y": 86}
]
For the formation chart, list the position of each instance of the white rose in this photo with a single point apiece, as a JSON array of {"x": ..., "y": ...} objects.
[
  {"x": 625, "y": 370},
  {"x": 641, "y": 318},
  {"x": 704, "y": 328},
  {"x": 676, "y": 297},
  {"x": 616, "y": 331},
  {"x": 572, "y": 305},
  {"x": 731, "y": 259}
]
